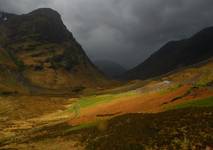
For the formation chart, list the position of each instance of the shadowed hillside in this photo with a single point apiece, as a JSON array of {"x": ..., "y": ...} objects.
[{"x": 174, "y": 55}]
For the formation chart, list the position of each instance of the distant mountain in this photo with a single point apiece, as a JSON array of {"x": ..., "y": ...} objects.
[
  {"x": 40, "y": 54},
  {"x": 110, "y": 68},
  {"x": 5, "y": 16},
  {"x": 175, "y": 54}
]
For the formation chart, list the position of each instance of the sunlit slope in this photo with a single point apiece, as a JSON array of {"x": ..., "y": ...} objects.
[{"x": 155, "y": 95}]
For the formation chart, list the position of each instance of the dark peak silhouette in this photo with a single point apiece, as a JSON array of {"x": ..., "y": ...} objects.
[
  {"x": 175, "y": 54},
  {"x": 46, "y": 12},
  {"x": 43, "y": 24}
]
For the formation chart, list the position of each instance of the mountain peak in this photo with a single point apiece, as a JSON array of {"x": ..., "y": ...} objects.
[
  {"x": 49, "y": 12},
  {"x": 44, "y": 24}
]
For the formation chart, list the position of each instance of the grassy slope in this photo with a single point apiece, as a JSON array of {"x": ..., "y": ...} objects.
[
  {"x": 150, "y": 95},
  {"x": 201, "y": 81},
  {"x": 101, "y": 99},
  {"x": 207, "y": 102}
]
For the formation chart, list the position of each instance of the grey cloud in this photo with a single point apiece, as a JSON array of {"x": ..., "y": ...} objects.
[
  {"x": 125, "y": 31},
  {"x": 21, "y": 6}
]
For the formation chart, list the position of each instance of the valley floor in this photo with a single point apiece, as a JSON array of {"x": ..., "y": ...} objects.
[{"x": 47, "y": 122}]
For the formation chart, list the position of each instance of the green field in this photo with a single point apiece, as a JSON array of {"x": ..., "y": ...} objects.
[
  {"x": 101, "y": 99},
  {"x": 207, "y": 102}
]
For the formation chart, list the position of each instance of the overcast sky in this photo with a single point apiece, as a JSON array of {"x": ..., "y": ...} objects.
[{"x": 125, "y": 31}]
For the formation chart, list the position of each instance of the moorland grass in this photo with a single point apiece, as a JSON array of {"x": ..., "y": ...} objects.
[
  {"x": 206, "y": 102},
  {"x": 189, "y": 128},
  {"x": 82, "y": 126},
  {"x": 100, "y": 99}
]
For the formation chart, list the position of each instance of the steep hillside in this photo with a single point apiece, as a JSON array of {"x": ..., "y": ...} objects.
[
  {"x": 11, "y": 81},
  {"x": 111, "y": 69},
  {"x": 175, "y": 54},
  {"x": 45, "y": 53}
]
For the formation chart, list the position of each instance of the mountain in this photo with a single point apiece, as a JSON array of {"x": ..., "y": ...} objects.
[
  {"x": 5, "y": 16},
  {"x": 174, "y": 55},
  {"x": 41, "y": 55},
  {"x": 110, "y": 68}
]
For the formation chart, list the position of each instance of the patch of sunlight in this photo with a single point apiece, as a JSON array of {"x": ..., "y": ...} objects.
[
  {"x": 206, "y": 102},
  {"x": 100, "y": 99},
  {"x": 82, "y": 126},
  {"x": 170, "y": 89}
]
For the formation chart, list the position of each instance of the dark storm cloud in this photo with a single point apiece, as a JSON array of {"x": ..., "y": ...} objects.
[{"x": 125, "y": 31}]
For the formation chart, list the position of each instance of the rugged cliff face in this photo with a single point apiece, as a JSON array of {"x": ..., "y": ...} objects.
[
  {"x": 174, "y": 55},
  {"x": 44, "y": 54}
]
